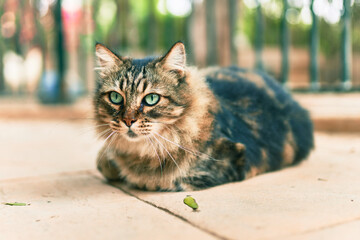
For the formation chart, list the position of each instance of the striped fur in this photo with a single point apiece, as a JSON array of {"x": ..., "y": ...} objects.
[{"x": 209, "y": 127}]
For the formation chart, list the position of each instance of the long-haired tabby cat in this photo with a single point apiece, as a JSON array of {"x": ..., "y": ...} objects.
[{"x": 169, "y": 127}]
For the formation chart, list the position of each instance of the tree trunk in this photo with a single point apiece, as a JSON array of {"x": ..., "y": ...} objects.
[
  {"x": 284, "y": 47},
  {"x": 212, "y": 58},
  {"x": 314, "y": 49},
  {"x": 233, "y": 15},
  {"x": 151, "y": 29},
  {"x": 199, "y": 34},
  {"x": 2, "y": 80},
  {"x": 124, "y": 25},
  {"x": 259, "y": 38},
  {"x": 189, "y": 44},
  {"x": 346, "y": 47},
  {"x": 59, "y": 48},
  {"x": 2, "y": 48},
  {"x": 223, "y": 33}
]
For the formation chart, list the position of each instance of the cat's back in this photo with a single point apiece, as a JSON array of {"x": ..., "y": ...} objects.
[
  {"x": 256, "y": 111},
  {"x": 244, "y": 91},
  {"x": 235, "y": 84}
]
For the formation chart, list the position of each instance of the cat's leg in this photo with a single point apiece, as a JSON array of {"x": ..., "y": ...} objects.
[
  {"x": 226, "y": 164},
  {"x": 106, "y": 165}
]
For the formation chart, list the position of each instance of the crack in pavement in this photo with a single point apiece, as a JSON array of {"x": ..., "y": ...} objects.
[{"x": 214, "y": 234}]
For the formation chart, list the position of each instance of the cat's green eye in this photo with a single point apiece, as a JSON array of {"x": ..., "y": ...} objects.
[
  {"x": 152, "y": 99},
  {"x": 115, "y": 97}
]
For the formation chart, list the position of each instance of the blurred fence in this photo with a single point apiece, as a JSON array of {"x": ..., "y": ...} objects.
[{"x": 47, "y": 46}]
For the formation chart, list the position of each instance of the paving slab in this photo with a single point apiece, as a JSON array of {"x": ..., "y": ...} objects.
[
  {"x": 54, "y": 161},
  {"x": 81, "y": 206},
  {"x": 345, "y": 231},
  {"x": 35, "y": 148},
  {"x": 314, "y": 197}
]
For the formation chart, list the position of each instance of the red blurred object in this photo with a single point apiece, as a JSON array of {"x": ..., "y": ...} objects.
[
  {"x": 72, "y": 23},
  {"x": 28, "y": 28}
]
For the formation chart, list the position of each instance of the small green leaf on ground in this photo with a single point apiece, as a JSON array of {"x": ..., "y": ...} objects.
[
  {"x": 190, "y": 201},
  {"x": 322, "y": 179},
  {"x": 16, "y": 204}
]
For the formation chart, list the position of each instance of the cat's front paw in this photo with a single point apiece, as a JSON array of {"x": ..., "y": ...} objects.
[{"x": 108, "y": 169}]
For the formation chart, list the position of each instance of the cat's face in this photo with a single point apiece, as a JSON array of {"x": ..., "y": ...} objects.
[{"x": 138, "y": 98}]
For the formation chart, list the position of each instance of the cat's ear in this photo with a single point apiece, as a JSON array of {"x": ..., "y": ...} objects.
[
  {"x": 175, "y": 59},
  {"x": 107, "y": 61}
]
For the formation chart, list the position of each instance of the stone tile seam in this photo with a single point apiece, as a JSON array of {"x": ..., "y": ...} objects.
[{"x": 207, "y": 231}]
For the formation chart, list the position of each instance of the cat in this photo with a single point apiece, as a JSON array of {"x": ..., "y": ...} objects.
[{"x": 170, "y": 127}]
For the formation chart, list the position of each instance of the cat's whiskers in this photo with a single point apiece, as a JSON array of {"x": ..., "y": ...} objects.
[
  {"x": 91, "y": 128},
  {"x": 99, "y": 68},
  {"x": 196, "y": 153},
  {"x": 111, "y": 141},
  {"x": 102, "y": 154},
  {"x": 106, "y": 147},
  {"x": 99, "y": 125},
  {"x": 152, "y": 144},
  {"x": 109, "y": 136},
  {"x": 104, "y": 132},
  {"x": 168, "y": 153},
  {"x": 103, "y": 125}
]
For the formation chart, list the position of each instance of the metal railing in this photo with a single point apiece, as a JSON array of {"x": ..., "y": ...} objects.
[{"x": 346, "y": 50}]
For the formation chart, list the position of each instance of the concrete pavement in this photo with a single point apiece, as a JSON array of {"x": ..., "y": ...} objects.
[{"x": 50, "y": 165}]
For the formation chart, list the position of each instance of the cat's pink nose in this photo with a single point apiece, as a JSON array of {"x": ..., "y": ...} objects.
[{"x": 129, "y": 121}]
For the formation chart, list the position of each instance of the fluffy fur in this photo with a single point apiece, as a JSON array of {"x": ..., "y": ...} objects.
[{"x": 208, "y": 128}]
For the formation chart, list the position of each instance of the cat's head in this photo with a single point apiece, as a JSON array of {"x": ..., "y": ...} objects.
[{"x": 139, "y": 98}]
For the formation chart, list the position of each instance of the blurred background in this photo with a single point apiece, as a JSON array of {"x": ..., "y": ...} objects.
[{"x": 47, "y": 46}]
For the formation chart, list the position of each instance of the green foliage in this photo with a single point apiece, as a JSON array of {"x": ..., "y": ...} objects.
[
  {"x": 157, "y": 31},
  {"x": 105, "y": 17},
  {"x": 140, "y": 9},
  {"x": 330, "y": 38},
  {"x": 248, "y": 24}
]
